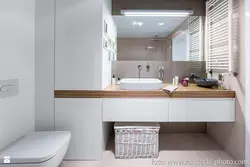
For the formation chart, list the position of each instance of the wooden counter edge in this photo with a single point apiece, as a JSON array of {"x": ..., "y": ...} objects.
[{"x": 142, "y": 94}]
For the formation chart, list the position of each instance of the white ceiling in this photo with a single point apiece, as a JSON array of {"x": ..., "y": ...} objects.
[{"x": 150, "y": 27}]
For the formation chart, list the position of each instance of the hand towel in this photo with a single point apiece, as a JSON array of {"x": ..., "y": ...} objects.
[{"x": 170, "y": 89}]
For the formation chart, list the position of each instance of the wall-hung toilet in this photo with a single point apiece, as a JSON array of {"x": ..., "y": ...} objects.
[{"x": 38, "y": 149}]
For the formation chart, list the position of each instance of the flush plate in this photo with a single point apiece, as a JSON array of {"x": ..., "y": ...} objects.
[{"x": 9, "y": 88}]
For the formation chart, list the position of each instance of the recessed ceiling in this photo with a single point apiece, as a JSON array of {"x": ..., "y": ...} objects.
[{"x": 150, "y": 27}]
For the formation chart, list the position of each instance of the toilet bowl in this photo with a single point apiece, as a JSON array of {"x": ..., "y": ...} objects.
[{"x": 38, "y": 149}]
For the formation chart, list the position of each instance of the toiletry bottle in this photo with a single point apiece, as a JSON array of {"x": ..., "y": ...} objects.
[
  {"x": 184, "y": 82},
  {"x": 176, "y": 79},
  {"x": 221, "y": 82},
  {"x": 118, "y": 81},
  {"x": 113, "y": 81}
]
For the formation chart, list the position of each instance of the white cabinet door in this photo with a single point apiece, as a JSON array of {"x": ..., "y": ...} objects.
[
  {"x": 202, "y": 110},
  {"x": 135, "y": 110},
  {"x": 83, "y": 118}
]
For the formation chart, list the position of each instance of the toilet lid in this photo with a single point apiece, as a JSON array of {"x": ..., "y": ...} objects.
[{"x": 36, "y": 147}]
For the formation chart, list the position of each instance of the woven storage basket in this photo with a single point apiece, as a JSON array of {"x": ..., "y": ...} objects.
[{"x": 136, "y": 140}]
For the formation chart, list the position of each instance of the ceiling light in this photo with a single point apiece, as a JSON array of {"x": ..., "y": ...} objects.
[
  {"x": 161, "y": 24},
  {"x": 140, "y": 23},
  {"x": 135, "y": 23},
  {"x": 158, "y": 13}
]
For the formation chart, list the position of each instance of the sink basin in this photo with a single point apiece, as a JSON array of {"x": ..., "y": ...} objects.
[{"x": 140, "y": 84}]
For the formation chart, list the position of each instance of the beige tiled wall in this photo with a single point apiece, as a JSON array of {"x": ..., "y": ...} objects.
[
  {"x": 125, "y": 69},
  {"x": 183, "y": 127},
  {"x": 136, "y": 49},
  {"x": 231, "y": 136}
]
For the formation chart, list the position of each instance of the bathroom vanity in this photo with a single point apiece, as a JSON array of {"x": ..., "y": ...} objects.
[
  {"x": 186, "y": 104},
  {"x": 88, "y": 113}
]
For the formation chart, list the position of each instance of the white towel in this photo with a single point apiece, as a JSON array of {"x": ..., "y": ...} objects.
[{"x": 170, "y": 89}]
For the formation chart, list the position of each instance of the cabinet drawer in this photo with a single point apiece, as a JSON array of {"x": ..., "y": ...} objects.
[
  {"x": 135, "y": 110},
  {"x": 202, "y": 110}
]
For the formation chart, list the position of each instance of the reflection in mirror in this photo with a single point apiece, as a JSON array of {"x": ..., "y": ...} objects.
[
  {"x": 158, "y": 38},
  {"x": 187, "y": 40}
]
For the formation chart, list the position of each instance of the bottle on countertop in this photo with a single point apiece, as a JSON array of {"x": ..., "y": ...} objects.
[
  {"x": 113, "y": 81},
  {"x": 118, "y": 81},
  {"x": 184, "y": 82},
  {"x": 175, "y": 80}
]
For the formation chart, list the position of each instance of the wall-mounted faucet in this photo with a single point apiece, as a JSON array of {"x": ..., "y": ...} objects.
[
  {"x": 161, "y": 73},
  {"x": 139, "y": 71},
  {"x": 148, "y": 67}
]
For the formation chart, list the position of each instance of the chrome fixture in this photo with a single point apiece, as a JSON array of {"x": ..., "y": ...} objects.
[
  {"x": 161, "y": 73},
  {"x": 139, "y": 71},
  {"x": 148, "y": 67},
  {"x": 135, "y": 23}
]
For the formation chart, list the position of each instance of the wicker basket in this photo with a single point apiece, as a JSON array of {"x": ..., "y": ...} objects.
[{"x": 136, "y": 140}]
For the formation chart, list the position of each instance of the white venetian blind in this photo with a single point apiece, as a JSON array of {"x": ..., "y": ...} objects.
[
  {"x": 195, "y": 27},
  {"x": 221, "y": 35}
]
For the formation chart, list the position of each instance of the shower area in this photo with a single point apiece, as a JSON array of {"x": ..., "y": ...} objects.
[{"x": 140, "y": 49}]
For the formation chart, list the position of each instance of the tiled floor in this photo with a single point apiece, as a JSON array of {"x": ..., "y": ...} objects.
[{"x": 190, "y": 149}]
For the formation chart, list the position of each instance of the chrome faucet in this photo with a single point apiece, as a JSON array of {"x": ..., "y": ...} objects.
[
  {"x": 139, "y": 71},
  {"x": 148, "y": 67},
  {"x": 161, "y": 73}
]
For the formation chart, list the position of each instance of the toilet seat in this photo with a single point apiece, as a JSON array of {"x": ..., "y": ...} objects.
[{"x": 37, "y": 147}]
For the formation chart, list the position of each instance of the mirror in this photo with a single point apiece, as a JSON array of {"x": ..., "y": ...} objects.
[{"x": 176, "y": 38}]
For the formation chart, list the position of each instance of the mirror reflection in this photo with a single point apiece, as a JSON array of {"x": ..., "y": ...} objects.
[{"x": 177, "y": 38}]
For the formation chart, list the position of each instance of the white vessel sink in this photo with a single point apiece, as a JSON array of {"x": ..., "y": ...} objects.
[{"x": 140, "y": 84}]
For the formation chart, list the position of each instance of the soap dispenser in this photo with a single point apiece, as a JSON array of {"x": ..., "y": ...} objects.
[
  {"x": 118, "y": 81},
  {"x": 113, "y": 81}
]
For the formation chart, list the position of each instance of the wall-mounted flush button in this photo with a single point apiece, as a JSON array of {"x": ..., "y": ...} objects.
[
  {"x": 5, "y": 88},
  {"x": 9, "y": 88}
]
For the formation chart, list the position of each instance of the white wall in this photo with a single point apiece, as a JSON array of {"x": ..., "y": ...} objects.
[
  {"x": 17, "y": 55},
  {"x": 112, "y": 32},
  {"x": 44, "y": 75},
  {"x": 78, "y": 48},
  {"x": 83, "y": 117},
  {"x": 106, "y": 63},
  {"x": 77, "y": 65},
  {"x": 81, "y": 64},
  {"x": 247, "y": 81}
]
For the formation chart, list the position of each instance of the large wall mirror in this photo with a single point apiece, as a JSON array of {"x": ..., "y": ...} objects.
[{"x": 160, "y": 38}]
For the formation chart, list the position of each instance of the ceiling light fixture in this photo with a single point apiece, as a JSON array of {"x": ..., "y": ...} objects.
[
  {"x": 140, "y": 23},
  {"x": 135, "y": 23},
  {"x": 161, "y": 24},
  {"x": 158, "y": 13}
]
